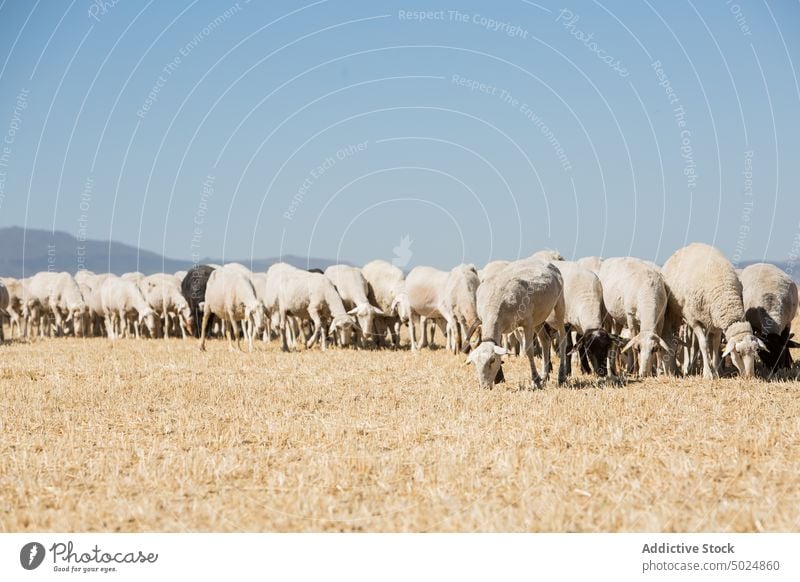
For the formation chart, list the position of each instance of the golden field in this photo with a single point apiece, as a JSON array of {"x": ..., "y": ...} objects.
[{"x": 154, "y": 435}]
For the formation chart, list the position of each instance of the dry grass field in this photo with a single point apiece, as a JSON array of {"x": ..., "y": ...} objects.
[{"x": 156, "y": 436}]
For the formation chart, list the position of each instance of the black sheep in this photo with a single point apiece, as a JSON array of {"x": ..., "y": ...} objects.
[{"x": 193, "y": 289}]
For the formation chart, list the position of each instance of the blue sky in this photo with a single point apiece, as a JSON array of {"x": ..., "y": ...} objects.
[{"x": 335, "y": 129}]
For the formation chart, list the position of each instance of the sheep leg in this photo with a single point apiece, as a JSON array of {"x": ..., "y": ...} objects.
[
  {"x": 317, "y": 330},
  {"x": 563, "y": 359},
  {"x": 716, "y": 356},
  {"x": 411, "y": 332},
  {"x": 283, "y": 331},
  {"x": 544, "y": 341},
  {"x": 423, "y": 325},
  {"x": 566, "y": 360},
  {"x": 709, "y": 373},
  {"x": 203, "y": 327},
  {"x": 529, "y": 348},
  {"x": 234, "y": 332}
]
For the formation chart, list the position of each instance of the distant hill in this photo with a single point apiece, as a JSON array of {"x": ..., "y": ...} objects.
[{"x": 63, "y": 251}]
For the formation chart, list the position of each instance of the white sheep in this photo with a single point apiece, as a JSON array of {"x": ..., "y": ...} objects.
[
  {"x": 491, "y": 268},
  {"x": 591, "y": 263},
  {"x": 524, "y": 294},
  {"x": 460, "y": 303},
  {"x": 770, "y": 303},
  {"x": 354, "y": 292},
  {"x": 585, "y": 314},
  {"x": 703, "y": 288},
  {"x": 635, "y": 297},
  {"x": 57, "y": 295},
  {"x": 385, "y": 283},
  {"x": 425, "y": 291},
  {"x": 230, "y": 296},
  {"x": 15, "y": 301},
  {"x": 163, "y": 292},
  {"x": 310, "y": 296},
  {"x": 124, "y": 303}
]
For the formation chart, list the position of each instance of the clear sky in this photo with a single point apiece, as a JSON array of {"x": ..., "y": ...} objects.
[{"x": 468, "y": 132}]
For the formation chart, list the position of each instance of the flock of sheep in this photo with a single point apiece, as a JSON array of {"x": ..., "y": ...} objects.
[{"x": 604, "y": 313}]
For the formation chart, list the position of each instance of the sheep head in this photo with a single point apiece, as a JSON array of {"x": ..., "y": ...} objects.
[
  {"x": 777, "y": 355},
  {"x": 597, "y": 343},
  {"x": 743, "y": 348},
  {"x": 488, "y": 363},
  {"x": 648, "y": 344},
  {"x": 148, "y": 317},
  {"x": 365, "y": 314}
]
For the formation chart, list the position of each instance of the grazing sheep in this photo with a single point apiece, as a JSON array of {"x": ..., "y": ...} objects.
[
  {"x": 15, "y": 304},
  {"x": 459, "y": 295},
  {"x": 523, "y": 294},
  {"x": 491, "y": 268},
  {"x": 703, "y": 287},
  {"x": 770, "y": 303},
  {"x": 230, "y": 296},
  {"x": 591, "y": 263},
  {"x": 193, "y": 288},
  {"x": 385, "y": 282},
  {"x": 635, "y": 297},
  {"x": 585, "y": 313},
  {"x": 57, "y": 295},
  {"x": 163, "y": 292},
  {"x": 308, "y": 296},
  {"x": 354, "y": 290},
  {"x": 425, "y": 290},
  {"x": 95, "y": 314},
  {"x": 4, "y": 302},
  {"x": 124, "y": 303}
]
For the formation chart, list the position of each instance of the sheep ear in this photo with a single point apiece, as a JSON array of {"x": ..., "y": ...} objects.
[
  {"x": 353, "y": 311},
  {"x": 576, "y": 346},
  {"x": 500, "y": 351},
  {"x": 620, "y": 341},
  {"x": 634, "y": 341},
  {"x": 792, "y": 344},
  {"x": 470, "y": 359},
  {"x": 728, "y": 349},
  {"x": 378, "y": 311},
  {"x": 664, "y": 345},
  {"x": 761, "y": 345}
]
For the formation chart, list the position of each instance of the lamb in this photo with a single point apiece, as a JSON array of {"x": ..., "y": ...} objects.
[
  {"x": 123, "y": 302},
  {"x": 163, "y": 292},
  {"x": 523, "y": 294},
  {"x": 770, "y": 303},
  {"x": 353, "y": 290},
  {"x": 635, "y": 297},
  {"x": 703, "y": 287},
  {"x": 425, "y": 289},
  {"x": 459, "y": 295},
  {"x": 585, "y": 313},
  {"x": 231, "y": 297},
  {"x": 193, "y": 288},
  {"x": 491, "y": 268},
  {"x": 308, "y": 295},
  {"x": 385, "y": 283}
]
